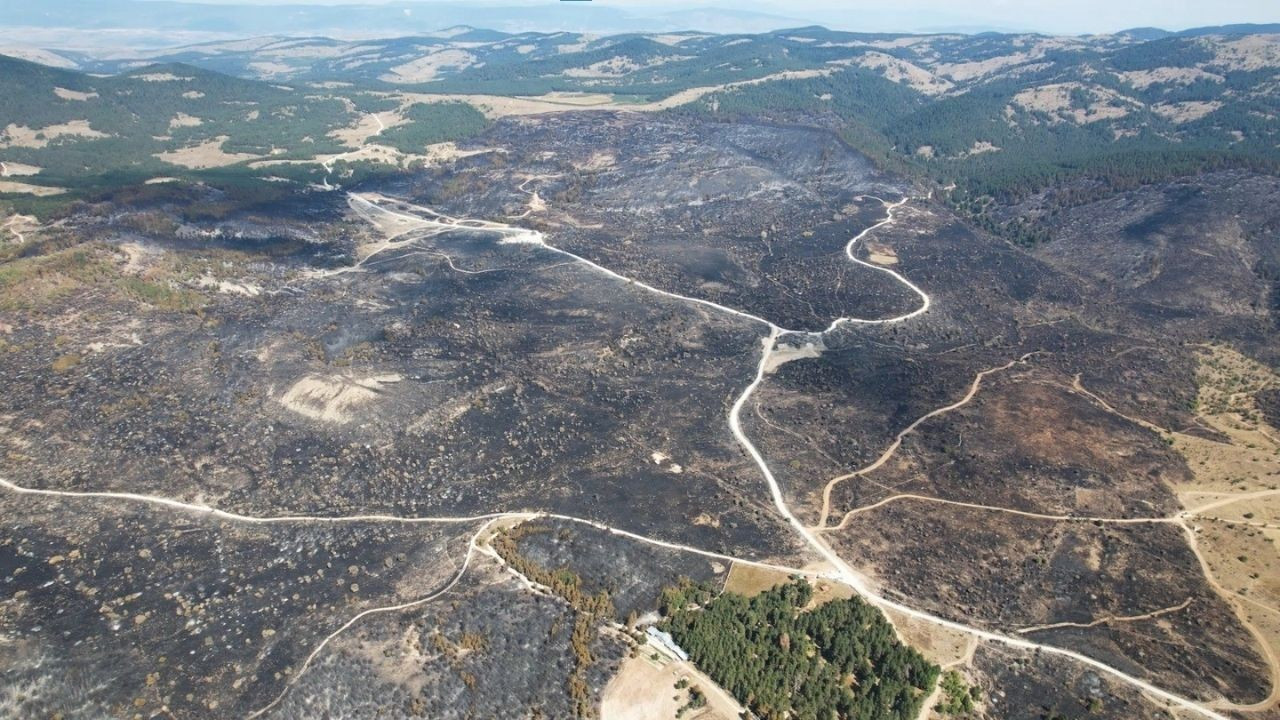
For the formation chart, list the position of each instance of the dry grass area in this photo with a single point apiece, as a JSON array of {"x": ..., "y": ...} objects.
[
  {"x": 1252, "y": 52},
  {"x": 1143, "y": 79},
  {"x": 22, "y": 136},
  {"x": 9, "y": 186},
  {"x": 1243, "y": 559},
  {"x": 579, "y": 99},
  {"x": 645, "y": 689},
  {"x": 964, "y": 71},
  {"x": 751, "y": 580},
  {"x": 1253, "y": 511},
  {"x": 66, "y": 94},
  {"x": 208, "y": 154},
  {"x": 13, "y": 169},
  {"x": 1184, "y": 112},
  {"x": 495, "y": 107},
  {"x": 905, "y": 73},
  {"x": 938, "y": 644},
  {"x": 1236, "y": 540},
  {"x": 367, "y": 127},
  {"x": 1059, "y": 102},
  {"x": 1250, "y": 460},
  {"x": 427, "y": 67}
]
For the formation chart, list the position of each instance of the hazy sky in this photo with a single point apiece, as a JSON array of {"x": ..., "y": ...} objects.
[{"x": 1071, "y": 16}]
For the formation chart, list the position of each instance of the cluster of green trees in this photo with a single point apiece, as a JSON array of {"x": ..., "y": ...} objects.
[
  {"x": 933, "y": 137},
  {"x": 430, "y": 123},
  {"x": 839, "y": 660},
  {"x": 958, "y": 698}
]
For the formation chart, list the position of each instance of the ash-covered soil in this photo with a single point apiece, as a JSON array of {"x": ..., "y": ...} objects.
[
  {"x": 1019, "y": 685},
  {"x": 753, "y": 217},
  {"x": 1029, "y": 441},
  {"x": 1013, "y": 573},
  {"x": 117, "y": 608},
  {"x": 284, "y": 357},
  {"x": 410, "y": 387},
  {"x": 633, "y": 574},
  {"x": 488, "y": 649}
]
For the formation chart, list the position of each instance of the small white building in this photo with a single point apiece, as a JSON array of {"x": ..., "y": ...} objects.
[{"x": 665, "y": 642}]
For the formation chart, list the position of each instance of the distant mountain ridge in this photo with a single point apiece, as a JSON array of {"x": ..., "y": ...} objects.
[
  {"x": 1155, "y": 33},
  {"x": 399, "y": 18}
]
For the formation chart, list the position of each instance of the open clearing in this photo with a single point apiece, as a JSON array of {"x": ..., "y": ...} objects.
[
  {"x": 208, "y": 154},
  {"x": 645, "y": 689}
]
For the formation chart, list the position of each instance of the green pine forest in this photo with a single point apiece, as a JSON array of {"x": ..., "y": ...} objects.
[{"x": 838, "y": 661}]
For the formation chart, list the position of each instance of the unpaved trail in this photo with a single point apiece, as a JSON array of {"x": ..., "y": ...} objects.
[
  {"x": 993, "y": 508},
  {"x": 840, "y": 571},
  {"x": 1107, "y": 620},
  {"x": 302, "y": 669},
  {"x": 1269, "y": 653},
  {"x": 328, "y": 164},
  {"x": 825, "y": 514}
]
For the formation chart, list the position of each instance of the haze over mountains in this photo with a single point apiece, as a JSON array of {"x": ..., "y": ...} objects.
[
  {"x": 362, "y": 20},
  {"x": 118, "y": 23}
]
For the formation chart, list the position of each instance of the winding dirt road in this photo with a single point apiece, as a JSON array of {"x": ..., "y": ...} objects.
[{"x": 840, "y": 570}]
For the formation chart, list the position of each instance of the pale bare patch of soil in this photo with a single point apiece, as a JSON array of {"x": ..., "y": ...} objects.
[
  {"x": 938, "y": 644},
  {"x": 645, "y": 689},
  {"x": 66, "y": 94},
  {"x": 676, "y": 38},
  {"x": 1143, "y": 79},
  {"x": 598, "y": 161},
  {"x": 428, "y": 67},
  {"x": 784, "y": 353},
  {"x": 1184, "y": 112},
  {"x": 161, "y": 77},
  {"x": 905, "y": 73},
  {"x": 18, "y": 227},
  {"x": 208, "y": 154},
  {"x": 961, "y": 72},
  {"x": 270, "y": 68},
  {"x": 9, "y": 186},
  {"x": 13, "y": 169},
  {"x": 1058, "y": 101},
  {"x": 574, "y": 98},
  {"x": 1250, "y": 460},
  {"x": 332, "y": 398},
  {"x": 881, "y": 254},
  {"x": 494, "y": 106},
  {"x": 618, "y": 66},
  {"x": 37, "y": 55},
  {"x": 22, "y": 136},
  {"x": 1252, "y": 52},
  {"x": 182, "y": 120}
]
